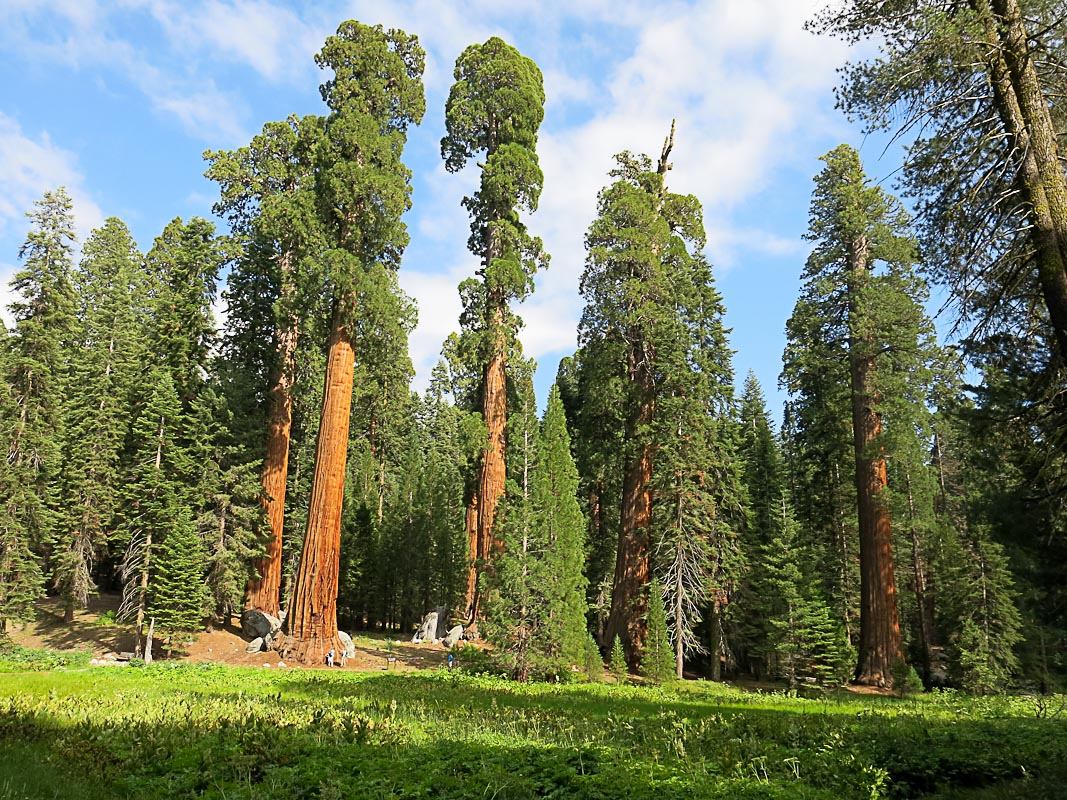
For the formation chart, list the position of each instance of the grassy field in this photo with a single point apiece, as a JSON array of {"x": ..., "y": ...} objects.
[{"x": 222, "y": 732}]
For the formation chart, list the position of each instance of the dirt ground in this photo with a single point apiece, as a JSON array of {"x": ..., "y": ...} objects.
[{"x": 220, "y": 644}]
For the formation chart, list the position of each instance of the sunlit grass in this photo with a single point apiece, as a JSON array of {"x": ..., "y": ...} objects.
[{"x": 213, "y": 731}]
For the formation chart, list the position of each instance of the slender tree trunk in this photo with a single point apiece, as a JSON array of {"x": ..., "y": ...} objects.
[
  {"x": 312, "y": 620},
  {"x": 1024, "y": 110},
  {"x": 922, "y": 600},
  {"x": 880, "y": 645},
  {"x": 679, "y": 649},
  {"x": 264, "y": 593}
]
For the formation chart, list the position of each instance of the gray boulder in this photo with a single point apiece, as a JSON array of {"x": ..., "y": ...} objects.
[
  {"x": 453, "y": 636},
  {"x": 255, "y": 646},
  {"x": 427, "y": 630},
  {"x": 346, "y": 641},
  {"x": 257, "y": 625}
]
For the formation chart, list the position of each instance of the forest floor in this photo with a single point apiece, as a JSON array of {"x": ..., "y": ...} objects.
[{"x": 93, "y": 630}]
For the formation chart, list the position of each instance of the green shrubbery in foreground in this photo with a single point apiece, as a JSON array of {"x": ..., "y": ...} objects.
[{"x": 211, "y": 731}]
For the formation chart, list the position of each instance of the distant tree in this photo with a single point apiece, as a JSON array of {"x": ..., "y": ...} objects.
[
  {"x": 495, "y": 106},
  {"x": 375, "y": 93}
]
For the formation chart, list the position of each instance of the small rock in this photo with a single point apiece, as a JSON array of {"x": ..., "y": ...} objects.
[
  {"x": 267, "y": 664},
  {"x": 254, "y": 646},
  {"x": 281, "y": 663}
]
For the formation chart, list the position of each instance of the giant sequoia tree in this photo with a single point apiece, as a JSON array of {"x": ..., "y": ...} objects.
[
  {"x": 858, "y": 319},
  {"x": 362, "y": 189},
  {"x": 495, "y": 107},
  {"x": 654, "y": 347},
  {"x": 268, "y": 195}
]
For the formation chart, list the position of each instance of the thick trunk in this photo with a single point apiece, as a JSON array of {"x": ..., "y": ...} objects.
[
  {"x": 880, "y": 645},
  {"x": 491, "y": 480},
  {"x": 264, "y": 592},
  {"x": 481, "y": 513},
  {"x": 311, "y": 624},
  {"x": 1025, "y": 113},
  {"x": 629, "y": 595}
]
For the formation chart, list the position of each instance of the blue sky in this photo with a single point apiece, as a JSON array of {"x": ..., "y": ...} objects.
[{"x": 118, "y": 100}]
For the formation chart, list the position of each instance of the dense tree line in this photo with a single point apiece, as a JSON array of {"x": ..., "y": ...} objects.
[{"x": 905, "y": 517}]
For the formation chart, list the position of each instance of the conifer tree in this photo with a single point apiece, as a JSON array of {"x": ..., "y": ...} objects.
[
  {"x": 38, "y": 376},
  {"x": 21, "y": 581},
  {"x": 535, "y": 605},
  {"x": 268, "y": 194},
  {"x": 617, "y": 661},
  {"x": 654, "y": 349},
  {"x": 658, "y": 662},
  {"x": 495, "y": 106},
  {"x": 860, "y": 306},
  {"x": 157, "y": 507},
  {"x": 106, "y": 366},
  {"x": 375, "y": 93}
]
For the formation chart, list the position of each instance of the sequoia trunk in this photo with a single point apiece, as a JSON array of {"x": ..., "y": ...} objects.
[
  {"x": 633, "y": 569},
  {"x": 481, "y": 513},
  {"x": 312, "y": 621},
  {"x": 263, "y": 593},
  {"x": 880, "y": 645}
]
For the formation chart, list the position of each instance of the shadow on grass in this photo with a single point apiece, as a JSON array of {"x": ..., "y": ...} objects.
[{"x": 467, "y": 738}]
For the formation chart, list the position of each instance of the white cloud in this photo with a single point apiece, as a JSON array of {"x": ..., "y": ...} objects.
[{"x": 28, "y": 168}]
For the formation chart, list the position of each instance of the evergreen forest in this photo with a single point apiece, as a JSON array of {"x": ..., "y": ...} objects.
[{"x": 904, "y": 527}]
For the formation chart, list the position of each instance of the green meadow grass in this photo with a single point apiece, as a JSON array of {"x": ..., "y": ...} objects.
[{"x": 213, "y": 731}]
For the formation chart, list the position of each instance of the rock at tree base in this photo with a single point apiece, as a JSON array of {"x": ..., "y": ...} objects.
[
  {"x": 453, "y": 636},
  {"x": 257, "y": 625},
  {"x": 427, "y": 630},
  {"x": 255, "y": 645},
  {"x": 346, "y": 642}
]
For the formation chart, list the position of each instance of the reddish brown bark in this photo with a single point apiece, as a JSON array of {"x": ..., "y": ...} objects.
[
  {"x": 880, "y": 646},
  {"x": 633, "y": 557},
  {"x": 263, "y": 593},
  {"x": 633, "y": 568},
  {"x": 481, "y": 512},
  {"x": 312, "y": 621}
]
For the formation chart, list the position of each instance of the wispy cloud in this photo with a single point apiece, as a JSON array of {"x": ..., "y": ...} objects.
[{"x": 30, "y": 166}]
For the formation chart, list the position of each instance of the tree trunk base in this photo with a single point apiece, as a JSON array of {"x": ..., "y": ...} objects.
[{"x": 309, "y": 652}]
